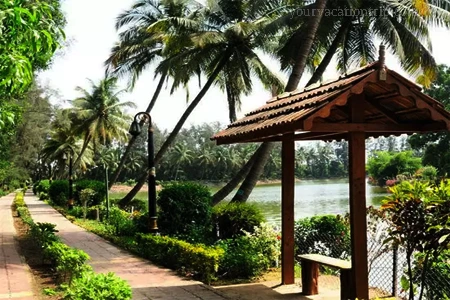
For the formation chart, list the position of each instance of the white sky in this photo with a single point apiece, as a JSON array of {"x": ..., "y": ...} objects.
[{"x": 91, "y": 34}]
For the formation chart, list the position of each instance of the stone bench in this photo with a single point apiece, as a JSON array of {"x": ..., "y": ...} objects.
[{"x": 310, "y": 273}]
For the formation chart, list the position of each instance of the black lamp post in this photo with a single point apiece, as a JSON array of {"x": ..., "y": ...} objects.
[
  {"x": 135, "y": 130},
  {"x": 70, "y": 202}
]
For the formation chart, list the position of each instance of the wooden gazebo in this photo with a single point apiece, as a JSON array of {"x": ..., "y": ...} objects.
[{"x": 370, "y": 102}]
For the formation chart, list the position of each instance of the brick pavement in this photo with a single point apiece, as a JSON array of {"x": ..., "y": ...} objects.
[
  {"x": 147, "y": 280},
  {"x": 15, "y": 276}
]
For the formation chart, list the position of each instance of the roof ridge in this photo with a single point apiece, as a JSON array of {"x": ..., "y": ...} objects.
[{"x": 311, "y": 87}]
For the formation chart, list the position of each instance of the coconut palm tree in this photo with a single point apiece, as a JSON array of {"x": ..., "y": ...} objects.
[
  {"x": 224, "y": 39},
  {"x": 400, "y": 25},
  {"x": 405, "y": 33},
  {"x": 99, "y": 115},
  {"x": 139, "y": 47},
  {"x": 62, "y": 141}
]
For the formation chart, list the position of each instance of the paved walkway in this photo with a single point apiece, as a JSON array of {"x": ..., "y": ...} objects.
[
  {"x": 147, "y": 280},
  {"x": 15, "y": 277},
  {"x": 152, "y": 282}
]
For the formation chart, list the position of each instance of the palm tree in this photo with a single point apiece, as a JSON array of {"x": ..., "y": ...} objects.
[
  {"x": 99, "y": 115},
  {"x": 401, "y": 26},
  {"x": 355, "y": 35},
  {"x": 223, "y": 43},
  {"x": 63, "y": 141},
  {"x": 139, "y": 47}
]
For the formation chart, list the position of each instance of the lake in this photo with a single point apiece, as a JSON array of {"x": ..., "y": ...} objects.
[{"x": 312, "y": 197}]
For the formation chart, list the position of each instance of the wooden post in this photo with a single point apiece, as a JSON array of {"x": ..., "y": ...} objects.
[
  {"x": 358, "y": 223},
  {"x": 310, "y": 275},
  {"x": 287, "y": 209},
  {"x": 394, "y": 270}
]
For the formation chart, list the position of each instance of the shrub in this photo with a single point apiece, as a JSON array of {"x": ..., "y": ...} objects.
[
  {"x": 43, "y": 186},
  {"x": 121, "y": 222},
  {"x": 232, "y": 218},
  {"x": 43, "y": 196},
  {"x": 250, "y": 255},
  {"x": 97, "y": 186},
  {"x": 59, "y": 192},
  {"x": 91, "y": 286},
  {"x": 198, "y": 259},
  {"x": 428, "y": 173},
  {"x": 69, "y": 262},
  {"x": 327, "y": 235},
  {"x": 76, "y": 211},
  {"x": 185, "y": 211}
]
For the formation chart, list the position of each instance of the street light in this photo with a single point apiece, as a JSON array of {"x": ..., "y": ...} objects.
[
  {"x": 70, "y": 202},
  {"x": 135, "y": 130}
]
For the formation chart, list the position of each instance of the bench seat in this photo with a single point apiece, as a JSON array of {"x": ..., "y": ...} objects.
[{"x": 310, "y": 273}]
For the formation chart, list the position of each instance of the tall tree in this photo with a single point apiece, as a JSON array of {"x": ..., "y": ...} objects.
[
  {"x": 435, "y": 146},
  {"x": 305, "y": 38},
  {"x": 99, "y": 115},
  {"x": 224, "y": 40},
  {"x": 140, "y": 46},
  {"x": 406, "y": 34}
]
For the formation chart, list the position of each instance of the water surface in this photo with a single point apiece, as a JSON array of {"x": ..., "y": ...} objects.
[{"x": 312, "y": 197}]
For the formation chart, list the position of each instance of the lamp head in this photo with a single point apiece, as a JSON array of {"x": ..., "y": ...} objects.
[{"x": 135, "y": 129}]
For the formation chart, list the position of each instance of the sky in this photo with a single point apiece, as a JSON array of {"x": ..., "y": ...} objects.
[{"x": 91, "y": 33}]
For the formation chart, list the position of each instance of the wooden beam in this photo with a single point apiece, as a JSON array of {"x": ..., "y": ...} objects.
[
  {"x": 388, "y": 114},
  {"x": 376, "y": 127},
  {"x": 358, "y": 224},
  {"x": 287, "y": 209},
  {"x": 340, "y": 100}
]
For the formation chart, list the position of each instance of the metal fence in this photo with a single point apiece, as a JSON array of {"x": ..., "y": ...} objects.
[{"x": 386, "y": 263}]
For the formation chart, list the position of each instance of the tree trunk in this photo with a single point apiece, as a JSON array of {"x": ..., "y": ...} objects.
[
  {"x": 297, "y": 71},
  {"x": 133, "y": 138},
  {"x": 80, "y": 155},
  {"x": 305, "y": 48},
  {"x": 233, "y": 183},
  {"x": 261, "y": 157},
  {"x": 171, "y": 138},
  {"x": 318, "y": 73}
]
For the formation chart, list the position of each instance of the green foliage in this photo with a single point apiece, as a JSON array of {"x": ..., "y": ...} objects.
[
  {"x": 91, "y": 286},
  {"x": 86, "y": 196},
  {"x": 43, "y": 186},
  {"x": 31, "y": 34},
  {"x": 3, "y": 193},
  {"x": 200, "y": 260},
  {"x": 233, "y": 218},
  {"x": 382, "y": 165},
  {"x": 98, "y": 187},
  {"x": 250, "y": 255},
  {"x": 434, "y": 146},
  {"x": 438, "y": 272},
  {"x": 59, "y": 192},
  {"x": 121, "y": 222},
  {"x": 76, "y": 211},
  {"x": 420, "y": 216},
  {"x": 69, "y": 262},
  {"x": 185, "y": 211},
  {"x": 327, "y": 235},
  {"x": 43, "y": 196},
  {"x": 428, "y": 173}
]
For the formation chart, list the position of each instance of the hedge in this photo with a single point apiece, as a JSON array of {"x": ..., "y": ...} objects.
[
  {"x": 59, "y": 192},
  {"x": 201, "y": 260}
]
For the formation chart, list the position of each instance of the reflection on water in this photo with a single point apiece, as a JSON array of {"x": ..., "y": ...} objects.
[{"x": 312, "y": 197}]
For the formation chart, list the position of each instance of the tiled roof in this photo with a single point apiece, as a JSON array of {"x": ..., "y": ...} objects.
[{"x": 285, "y": 112}]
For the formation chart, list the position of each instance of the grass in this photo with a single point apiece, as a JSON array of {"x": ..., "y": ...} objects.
[{"x": 120, "y": 195}]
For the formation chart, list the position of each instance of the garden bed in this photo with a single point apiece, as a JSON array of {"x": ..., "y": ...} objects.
[{"x": 43, "y": 276}]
